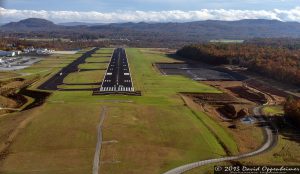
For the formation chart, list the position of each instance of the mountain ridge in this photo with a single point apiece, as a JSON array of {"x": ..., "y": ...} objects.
[{"x": 171, "y": 31}]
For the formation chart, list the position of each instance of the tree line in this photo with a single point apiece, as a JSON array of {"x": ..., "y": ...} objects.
[
  {"x": 292, "y": 110},
  {"x": 278, "y": 63}
]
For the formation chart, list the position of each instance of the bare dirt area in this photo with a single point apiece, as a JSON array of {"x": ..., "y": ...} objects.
[
  {"x": 275, "y": 95},
  {"x": 246, "y": 93},
  {"x": 275, "y": 90},
  {"x": 278, "y": 88},
  {"x": 11, "y": 99}
]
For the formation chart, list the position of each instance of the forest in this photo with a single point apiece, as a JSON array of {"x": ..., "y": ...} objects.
[
  {"x": 285, "y": 42},
  {"x": 278, "y": 63},
  {"x": 292, "y": 111}
]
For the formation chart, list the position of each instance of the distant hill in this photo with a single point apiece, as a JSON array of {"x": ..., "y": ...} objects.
[
  {"x": 163, "y": 33},
  {"x": 30, "y": 24},
  {"x": 72, "y": 24},
  {"x": 211, "y": 29}
]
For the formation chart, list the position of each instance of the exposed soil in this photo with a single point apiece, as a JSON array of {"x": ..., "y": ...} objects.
[
  {"x": 217, "y": 104},
  {"x": 247, "y": 94},
  {"x": 278, "y": 96},
  {"x": 10, "y": 98}
]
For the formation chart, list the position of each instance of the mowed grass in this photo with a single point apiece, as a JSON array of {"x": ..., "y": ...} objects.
[
  {"x": 105, "y": 51},
  {"x": 97, "y": 59},
  {"x": 78, "y": 86},
  {"x": 93, "y": 66},
  {"x": 151, "y": 134},
  {"x": 57, "y": 141},
  {"x": 85, "y": 77},
  {"x": 273, "y": 110},
  {"x": 152, "y": 139}
]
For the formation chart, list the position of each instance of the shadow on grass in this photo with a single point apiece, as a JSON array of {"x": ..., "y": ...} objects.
[{"x": 38, "y": 96}]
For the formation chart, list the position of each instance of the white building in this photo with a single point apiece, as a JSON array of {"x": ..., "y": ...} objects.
[{"x": 38, "y": 50}]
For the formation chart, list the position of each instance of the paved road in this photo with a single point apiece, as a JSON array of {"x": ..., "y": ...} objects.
[
  {"x": 118, "y": 77},
  {"x": 96, "y": 163},
  {"x": 58, "y": 78},
  {"x": 269, "y": 142}
]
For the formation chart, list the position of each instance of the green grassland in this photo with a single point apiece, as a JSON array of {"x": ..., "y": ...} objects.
[
  {"x": 105, "y": 51},
  {"x": 273, "y": 110},
  {"x": 78, "y": 86},
  {"x": 97, "y": 59},
  {"x": 93, "y": 66},
  {"x": 154, "y": 133},
  {"x": 85, "y": 77}
]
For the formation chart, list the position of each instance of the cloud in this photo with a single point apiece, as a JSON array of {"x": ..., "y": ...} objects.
[{"x": 151, "y": 16}]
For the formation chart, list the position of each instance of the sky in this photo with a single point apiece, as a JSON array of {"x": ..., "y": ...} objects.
[{"x": 107, "y": 11}]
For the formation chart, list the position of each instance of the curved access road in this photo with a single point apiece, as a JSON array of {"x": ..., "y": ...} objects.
[{"x": 270, "y": 140}]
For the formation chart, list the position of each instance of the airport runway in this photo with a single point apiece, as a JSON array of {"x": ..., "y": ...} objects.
[
  {"x": 118, "y": 77},
  {"x": 58, "y": 78}
]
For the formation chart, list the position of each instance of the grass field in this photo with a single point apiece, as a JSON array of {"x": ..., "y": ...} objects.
[
  {"x": 284, "y": 153},
  {"x": 78, "y": 86},
  {"x": 5, "y": 75},
  {"x": 94, "y": 74},
  {"x": 273, "y": 110},
  {"x": 105, "y": 51},
  {"x": 153, "y": 133},
  {"x": 85, "y": 77},
  {"x": 97, "y": 60},
  {"x": 93, "y": 66}
]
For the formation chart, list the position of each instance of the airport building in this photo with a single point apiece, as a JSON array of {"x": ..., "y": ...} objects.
[{"x": 9, "y": 53}]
